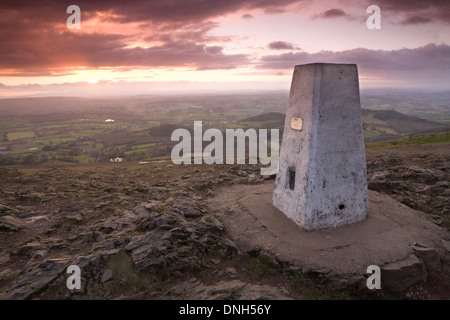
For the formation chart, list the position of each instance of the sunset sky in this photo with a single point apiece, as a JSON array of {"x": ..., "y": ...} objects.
[{"x": 139, "y": 47}]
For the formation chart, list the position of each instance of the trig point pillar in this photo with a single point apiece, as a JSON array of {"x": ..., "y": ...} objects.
[{"x": 321, "y": 181}]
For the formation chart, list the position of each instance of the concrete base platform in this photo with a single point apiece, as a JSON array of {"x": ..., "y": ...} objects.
[{"x": 393, "y": 237}]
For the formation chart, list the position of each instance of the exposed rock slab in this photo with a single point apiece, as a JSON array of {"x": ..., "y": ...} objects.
[
  {"x": 172, "y": 243},
  {"x": 342, "y": 255},
  {"x": 8, "y": 219},
  {"x": 399, "y": 275},
  {"x": 226, "y": 290},
  {"x": 36, "y": 280}
]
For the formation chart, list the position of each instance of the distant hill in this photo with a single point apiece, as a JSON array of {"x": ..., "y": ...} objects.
[
  {"x": 268, "y": 120},
  {"x": 423, "y": 104},
  {"x": 378, "y": 124},
  {"x": 388, "y": 124},
  {"x": 436, "y": 139},
  {"x": 269, "y": 116},
  {"x": 165, "y": 130}
]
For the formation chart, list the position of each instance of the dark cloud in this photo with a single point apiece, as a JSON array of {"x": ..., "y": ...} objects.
[
  {"x": 332, "y": 13},
  {"x": 98, "y": 50},
  {"x": 43, "y": 49},
  {"x": 281, "y": 45},
  {"x": 434, "y": 10},
  {"x": 35, "y": 40},
  {"x": 214, "y": 50},
  {"x": 247, "y": 16},
  {"x": 416, "y": 20},
  {"x": 147, "y": 10},
  {"x": 431, "y": 62}
]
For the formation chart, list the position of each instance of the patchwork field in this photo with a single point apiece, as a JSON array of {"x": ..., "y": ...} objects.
[{"x": 76, "y": 130}]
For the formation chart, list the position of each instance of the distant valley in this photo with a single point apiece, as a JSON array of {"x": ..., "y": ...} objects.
[{"x": 62, "y": 131}]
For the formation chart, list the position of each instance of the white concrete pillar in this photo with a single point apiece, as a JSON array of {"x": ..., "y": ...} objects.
[{"x": 321, "y": 181}]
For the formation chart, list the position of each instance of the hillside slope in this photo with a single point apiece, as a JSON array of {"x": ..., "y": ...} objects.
[
  {"x": 388, "y": 124},
  {"x": 378, "y": 124}
]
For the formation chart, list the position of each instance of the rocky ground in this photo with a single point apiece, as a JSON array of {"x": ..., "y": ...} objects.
[
  {"x": 418, "y": 177},
  {"x": 145, "y": 231}
]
